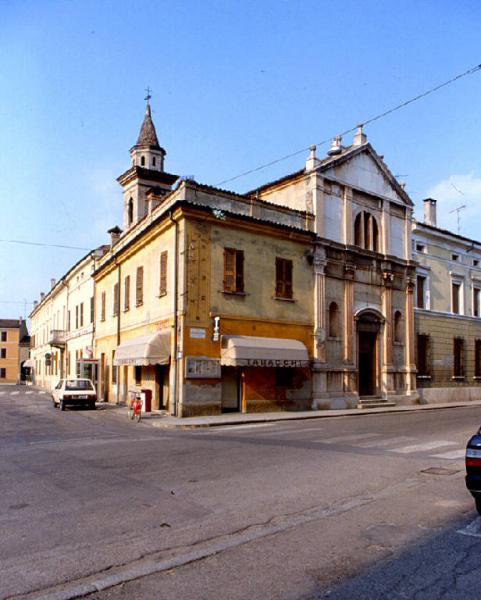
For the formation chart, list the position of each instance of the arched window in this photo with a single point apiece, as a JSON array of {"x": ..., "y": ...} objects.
[
  {"x": 366, "y": 231},
  {"x": 397, "y": 327},
  {"x": 333, "y": 320},
  {"x": 153, "y": 161},
  {"x": 130, "y": 212},
  {"x": 142, "y": 161}
]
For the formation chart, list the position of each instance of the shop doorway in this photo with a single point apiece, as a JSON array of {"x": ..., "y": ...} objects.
[
  {"x": 231, "y": 389},
  {"x": 368, "y": 355},
  {"x": 161, "y": 399}
]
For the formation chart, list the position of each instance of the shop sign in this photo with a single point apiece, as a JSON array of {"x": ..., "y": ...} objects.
[
  {"x": 202, "y": 367},
  {"x": 274, "y": 362},
  {"x": 197, "y": 333}
]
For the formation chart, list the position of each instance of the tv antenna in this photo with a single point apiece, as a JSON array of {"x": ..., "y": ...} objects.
[{"x": 457, "y": 211}]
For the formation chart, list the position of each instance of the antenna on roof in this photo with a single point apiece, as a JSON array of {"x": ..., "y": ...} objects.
[{"x": 458, "y": 210}]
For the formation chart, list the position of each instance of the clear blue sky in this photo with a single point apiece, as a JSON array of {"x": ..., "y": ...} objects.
[{"x": 235, "y": 84}]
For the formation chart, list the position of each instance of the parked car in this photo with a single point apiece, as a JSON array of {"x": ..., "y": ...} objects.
[
  {"x": 473, "y": 468},
  {"x": 74, "y": 391}
]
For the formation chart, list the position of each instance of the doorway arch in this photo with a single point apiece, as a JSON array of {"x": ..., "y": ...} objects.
[{"x": 369, "y": 324}]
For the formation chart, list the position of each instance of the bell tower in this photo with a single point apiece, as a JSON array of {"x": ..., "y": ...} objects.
[{"x": 146, "y": 173}]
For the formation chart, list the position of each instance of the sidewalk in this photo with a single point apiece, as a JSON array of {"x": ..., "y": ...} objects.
[{"x": 163, "y": 421}]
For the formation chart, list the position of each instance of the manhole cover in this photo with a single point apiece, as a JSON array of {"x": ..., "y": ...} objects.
[{"x": 439, "y": 471}]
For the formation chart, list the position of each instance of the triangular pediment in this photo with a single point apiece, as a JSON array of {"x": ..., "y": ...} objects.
[{"x": 362, "y": 168}]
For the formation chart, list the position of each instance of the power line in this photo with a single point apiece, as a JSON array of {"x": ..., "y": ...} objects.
[
  {"x": 352, "y": 129},
  {"x": 44, "y": 244}
]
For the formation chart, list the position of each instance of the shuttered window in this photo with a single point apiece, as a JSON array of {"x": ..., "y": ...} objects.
[
  {"x": 127, "y": 293},
  {"x": 102, "y": 307},
  {"x": 116, "y": 299},
  {"x": 163, "y": 274},
  {"x": 458, "y": 358},
  {"x": 139, "y": 287},
  {"x": 423, "y": 355},
  {"x": 283, "y": 278},
  {"x": 233, "y": 270}
]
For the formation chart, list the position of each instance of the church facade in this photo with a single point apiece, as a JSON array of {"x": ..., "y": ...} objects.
[{"x": 296, "y": 295}]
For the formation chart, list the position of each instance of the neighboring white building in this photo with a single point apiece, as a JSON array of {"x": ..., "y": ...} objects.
[{"x": 62, "y": 326}]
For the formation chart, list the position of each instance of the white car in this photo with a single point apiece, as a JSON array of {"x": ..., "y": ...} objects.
[{"x": 74, "y": 391}]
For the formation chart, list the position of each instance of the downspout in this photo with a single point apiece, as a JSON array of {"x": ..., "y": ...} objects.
[
  {"x": 94, "y": 322},
  {"x": 117, "y": 382},
  {"x": 173, "y": 410}
]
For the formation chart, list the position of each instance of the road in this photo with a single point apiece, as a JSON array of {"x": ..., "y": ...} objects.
[{"x": 369, "y": 506}]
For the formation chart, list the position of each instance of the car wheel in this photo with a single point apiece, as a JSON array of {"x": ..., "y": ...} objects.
[
  {"x": 92, "y": 406},
  {"x": 62, "y": 404},
  {"x": 478, "y": 505}
]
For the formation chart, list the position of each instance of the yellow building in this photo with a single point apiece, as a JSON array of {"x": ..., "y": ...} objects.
[
  {"x": 14, "y": 343},
  {"x": 447, "y": 312},
  {"x": 298, "y": 294}
]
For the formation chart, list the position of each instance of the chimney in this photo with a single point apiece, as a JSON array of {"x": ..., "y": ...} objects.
[
  {"x": 312, "y": 162},
  {"x": 52, "y": 283},
  {"x": 430, "y": 211},
  {"x": 42, "y": 296},
  {"x": 35, "y": 303},
  {"x": 336, "y": 147},
  {"x": 115, "y": 233},
  {"x": 360, "y": 138}
]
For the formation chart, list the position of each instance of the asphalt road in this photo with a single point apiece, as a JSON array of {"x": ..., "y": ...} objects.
[{"x": 355, "y": 507}]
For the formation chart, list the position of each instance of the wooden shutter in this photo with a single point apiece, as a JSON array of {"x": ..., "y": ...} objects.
[
  {"x": 283, "y": 278},
  {"x": 139, "y": 291},
  {"x": 116, "y": 299},
  {"x": 163, "y": 273},
  {"x": 239, "y": 271},
  {"x": 102, "y": 307},
  {"x": 229, "y": 270},
  {"x": 127, "y": 293}
]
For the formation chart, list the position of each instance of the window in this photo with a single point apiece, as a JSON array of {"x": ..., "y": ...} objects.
[
  {"x": 475, "y": 262},
  {"x": 477, "y": 358},
  {"x": 163, "y": 273},
  {"x": 455, "y": 296},
  {"x": 423, "y": 355},
  {"x": 138, "y": 375},
  {"x": 139, "y": 287},
  {"x": 333, "y": 320},
  {"x": 420, "y": 291},
  {"x": 455, "y": 257},
  {"x": 68, "y": 320},
  {"x": 153, "y": 161},
  {"x": 476, "y": 296},
  {"x": 398, "y": 327},
  {"x": 421, "y": 248},
  {"x": 116, "y": 300},
  {"x": 4, "y": 336},
  {"x": 458, "y": 356},
  {"x": 114, "y": 368},
  {"x": 3, "y": 372},
  {"x": 76, "y": 317},
  {"x": 283, "y": 278},
  {"x": 233, "y": 270},
  {"x": 142, "y": 161},
  {"x": 102, "y": 306},
  {"x": 3, "y": 353},
  {"x": 81, "y": 314},
  {"x": 130, "y": 212},
  {"x": 127, "y": 293},
  {"x": 92, "y": 309},
  {"x": 366, "y": 233}
]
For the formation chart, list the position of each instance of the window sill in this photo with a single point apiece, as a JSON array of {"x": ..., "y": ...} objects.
[
  {"x": 137, "y": 304},
  {"x": 458, "y": 378},
  {"x": 281, "y": 299},
  {"x": 229, "y": 293}
]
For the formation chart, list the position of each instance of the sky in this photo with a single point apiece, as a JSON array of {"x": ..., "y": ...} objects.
[{"x": 235, "y": 84}]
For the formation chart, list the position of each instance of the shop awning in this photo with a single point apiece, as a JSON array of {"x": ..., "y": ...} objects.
[
  {"x": 29, "y": 364},
  {"x": 249, "y": 351},
  {"x": 152, "y": 349}
]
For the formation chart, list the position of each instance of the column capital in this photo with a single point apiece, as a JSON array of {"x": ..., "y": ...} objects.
[
  {"x": 349, "y": 270},
  {"x": 387, "y": 278}
]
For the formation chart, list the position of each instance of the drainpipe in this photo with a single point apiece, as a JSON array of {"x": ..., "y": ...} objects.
[
  {"x": 117, "y": 300},
  {"x": 173, "y": 410}
]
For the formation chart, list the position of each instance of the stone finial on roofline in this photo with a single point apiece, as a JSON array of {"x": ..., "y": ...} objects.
[{"x": 360, "y": 138}]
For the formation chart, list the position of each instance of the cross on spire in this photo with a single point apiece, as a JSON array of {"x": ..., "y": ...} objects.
[{"x": 148, "y": 97}]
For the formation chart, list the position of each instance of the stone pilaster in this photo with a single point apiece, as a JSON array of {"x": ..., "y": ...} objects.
[
  {"x": 318, "y": 374},
  {"x": 387, "y": 382},
  {"x": 409, "y": 346}
]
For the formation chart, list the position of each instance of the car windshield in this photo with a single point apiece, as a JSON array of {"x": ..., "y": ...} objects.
[{"x": 78, "y": 384}]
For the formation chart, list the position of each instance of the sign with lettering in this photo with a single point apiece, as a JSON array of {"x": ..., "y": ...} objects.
[
  {"x": 274, "y": 362},
  {"x": 202, "y": 367},
  {"x": 197, "y": 333}
]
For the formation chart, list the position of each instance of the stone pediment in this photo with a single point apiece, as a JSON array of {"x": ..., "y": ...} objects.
[{"x": 362, "y": 168}]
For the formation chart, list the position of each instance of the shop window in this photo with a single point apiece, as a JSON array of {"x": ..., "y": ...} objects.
[
  {"x": 420, "y": 291},
  {"x": 283, "y": 278},
  {"x": 455, "y": 297},
  {"x": 102, "y": 306},
  {"x": 3, "y": 373},
  {"x": 477, "y": 358},
  {"x": 116, "y": 300},
  {"x": 233, "y": 270},
  {"x": 163, "y": 273},
  {"x": 398, "y": 337},
  {"x": 127, "y": 293},
  {"x": 284, "y": 377},
  {"x": 333, "y": 330},
  {"x": 4, "y": 336},
  {"x": 366, "y": 232},
  {"x": 138, "y": 375},
  {"x": 423, "y": 355},
  {"x": 458, "y": 357},
  {"x": 139, "y": 287}
]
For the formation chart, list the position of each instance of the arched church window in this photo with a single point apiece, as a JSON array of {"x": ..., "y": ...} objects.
[
  {"x": 366, "y": 231},
  {"x": 398, "y": 334},
  {"x": 358, "y": 238},
  {"x": 333, "y": 320},
  {"x": 153, "y": 161},
  {"x": 142, "y": 161},
  {"x": 130, "y": 212}
]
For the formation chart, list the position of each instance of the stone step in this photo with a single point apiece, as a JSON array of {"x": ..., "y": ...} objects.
[{"x": 374, "y": 403}]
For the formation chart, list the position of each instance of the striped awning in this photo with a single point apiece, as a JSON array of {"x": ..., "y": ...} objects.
[
  {"x": 250, "y": 351},
  {"x": 152, "y": 349}
]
